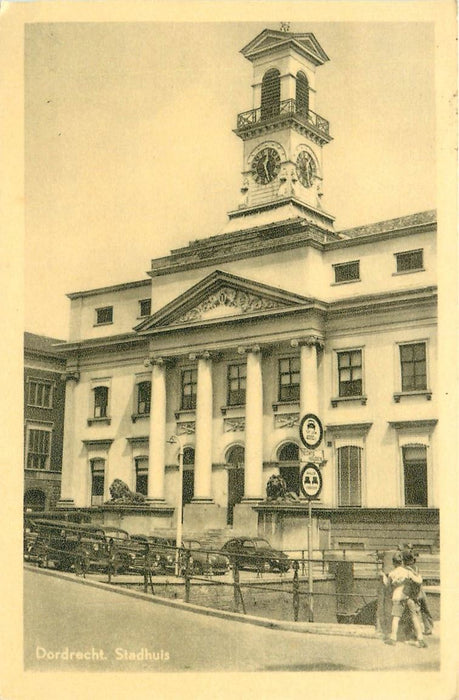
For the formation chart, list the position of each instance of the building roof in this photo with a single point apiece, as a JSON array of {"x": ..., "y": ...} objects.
[
  {"x": 418, "y": 219},
  {"x": 41, "y": 344}
]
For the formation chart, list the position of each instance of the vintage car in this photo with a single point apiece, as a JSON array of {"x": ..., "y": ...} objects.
[
  {"x": 161, "y": 552},
  {"x": 255, "y": 553},
  {"x": 205, "y": 561},
  {"x": 83, "y": 547}
]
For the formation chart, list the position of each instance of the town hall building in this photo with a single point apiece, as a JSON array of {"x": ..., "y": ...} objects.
[{"x": 214, "y": 358}]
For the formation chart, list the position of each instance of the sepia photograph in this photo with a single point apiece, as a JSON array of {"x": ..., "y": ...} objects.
[{"x": 233, "y": 353}]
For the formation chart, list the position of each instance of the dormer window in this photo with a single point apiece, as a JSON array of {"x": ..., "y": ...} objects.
[
  {"x": 104, "y": 315},
  {"x": 302, "y": 93},
  {"x": 270, "y": 94}
]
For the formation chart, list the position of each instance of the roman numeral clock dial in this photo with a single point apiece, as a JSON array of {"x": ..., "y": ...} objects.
[{"x": 265, "y": 166}]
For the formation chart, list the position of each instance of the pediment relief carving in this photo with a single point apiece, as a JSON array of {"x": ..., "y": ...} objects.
[{"x": 228, "y": 301}]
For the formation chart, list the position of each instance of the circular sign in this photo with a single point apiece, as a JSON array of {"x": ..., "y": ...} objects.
[
  {"x": 310, "y": 480},
  {"x": 311, "y": 431}
]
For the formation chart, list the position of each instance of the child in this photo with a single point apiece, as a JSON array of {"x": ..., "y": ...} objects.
[{"x": 400, "y": 579}]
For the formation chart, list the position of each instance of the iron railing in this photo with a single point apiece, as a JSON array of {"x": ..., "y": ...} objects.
[{"x": 271, "y": 114}]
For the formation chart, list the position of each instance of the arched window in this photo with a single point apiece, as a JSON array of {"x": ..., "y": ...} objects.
[
  {"x": 270, "y": 94},
  {"x": 349, "y": 475},
  {"x": 236, "y": 456},
  {"x": 100, "y": 401},
  {"x": 288, "y": 453},
  {"x": 302, "y": 93},
  {"x": 289, "y": 469}
]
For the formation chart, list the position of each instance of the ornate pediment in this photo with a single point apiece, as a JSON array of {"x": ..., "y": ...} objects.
[
  {"x": 228, "y": 301},
  {"x": 222, "y": 296}
]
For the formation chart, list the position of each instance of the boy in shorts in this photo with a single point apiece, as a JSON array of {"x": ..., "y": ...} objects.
[{"x": 401, "y": 579}]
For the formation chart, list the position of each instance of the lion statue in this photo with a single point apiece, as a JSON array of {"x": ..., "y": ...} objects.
[
  {"x": 276, "y": 490},
  {"x": 121, "y": 493}
]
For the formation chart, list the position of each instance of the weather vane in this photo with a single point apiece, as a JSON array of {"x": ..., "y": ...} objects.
[{"x": 285, "y": 26}]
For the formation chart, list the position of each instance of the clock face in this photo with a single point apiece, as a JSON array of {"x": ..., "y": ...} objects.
[
  {"x": 305, "y": 168},
  {"x": 265, "y": 165}
]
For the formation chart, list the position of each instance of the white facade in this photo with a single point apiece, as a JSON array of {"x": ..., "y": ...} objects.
[{"x": 300, "y": 319}]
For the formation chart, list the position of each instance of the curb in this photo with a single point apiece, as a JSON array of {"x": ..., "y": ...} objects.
[{"x": 366, "y": 631}]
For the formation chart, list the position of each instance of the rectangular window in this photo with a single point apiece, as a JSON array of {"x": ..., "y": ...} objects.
[
  {"x": 346, "y": 272},
  {"x": 100, "y": 401},
  {"x": 413, "y": 367},
  {"x": 415, "y": 475},
  {"x": 349, "y": 476},
  {"x": 40, "y": 393},
  {"x": 97, "y": 481},
  {"x": 410, "y": 260},
  {"x": 38, "y": 449},
  {"x": 144, "y": 307},
  {"x": 143, "y": 398},
  {"x": 189, "y": 385},
  {"x": 237, "y": 376},
  {"x": 104, "y": 315},
  {"x": 141, "y": 475},
  {"x": 289, "y": 379},
  {"x": 350, "y": 373}
]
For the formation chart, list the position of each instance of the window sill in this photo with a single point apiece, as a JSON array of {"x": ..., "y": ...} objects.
[
  {"x": 105, "y": 420},
  {"x": 137, "y": 416},
  {"x": 424, "y": 392},
  {"x": 236, "y": 406},
  {"x": 343, "y": 399},
  {"x": 338, "y": 284},
  {"x": 44, "y": 408},
  {"x": 287, "y": 404},
  {"x": 183, "y": 412},
  {"x": 105, "y": 323},
  {"x": 408, "y": 272}
]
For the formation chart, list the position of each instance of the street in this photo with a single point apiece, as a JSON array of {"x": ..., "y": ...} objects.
[{"x": 70, "y": 626}]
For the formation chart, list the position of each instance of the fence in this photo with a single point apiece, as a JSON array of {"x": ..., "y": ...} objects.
[{"x": 210, "y": 578}]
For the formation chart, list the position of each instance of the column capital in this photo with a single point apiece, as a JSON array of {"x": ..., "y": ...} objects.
[
  {"x": 245, "y": 349},
  {"x": 202, "y": 355},
  {"x": 151, "y": 361},
  {"x": 309, "y": 341},
  {"x": 71, "y": 376}
]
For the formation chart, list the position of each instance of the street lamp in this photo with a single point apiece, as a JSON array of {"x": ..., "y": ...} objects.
[{"x": 174, "y": 440}]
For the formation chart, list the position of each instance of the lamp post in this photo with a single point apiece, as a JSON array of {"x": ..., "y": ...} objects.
[{"x": 174, "y": 440}]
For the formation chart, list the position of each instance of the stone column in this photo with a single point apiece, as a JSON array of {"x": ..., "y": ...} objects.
[
  {"x": 309, "y": 378},
  {"x": 157, "y": 438},
  {"x": 253, "y": 487},
  {"x": 68, "y": 463},
  {"x": 203, "y": 454}
]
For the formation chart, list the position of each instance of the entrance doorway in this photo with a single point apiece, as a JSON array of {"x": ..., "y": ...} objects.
[{"x": 235, "y": 459}]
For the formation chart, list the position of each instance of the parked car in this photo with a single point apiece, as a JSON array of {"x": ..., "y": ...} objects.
[
  {"x": 161, "y": 552},
  {"x": 206, "y": 562},
  {"x": 83, "y": 547},
  {"x": 255, "y": 553}
]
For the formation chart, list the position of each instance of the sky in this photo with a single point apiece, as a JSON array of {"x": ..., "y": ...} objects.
[{"x": 130, "y": 150}]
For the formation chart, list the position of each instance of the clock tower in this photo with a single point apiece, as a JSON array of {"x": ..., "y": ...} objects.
[{"x": 283, "y": 135}]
